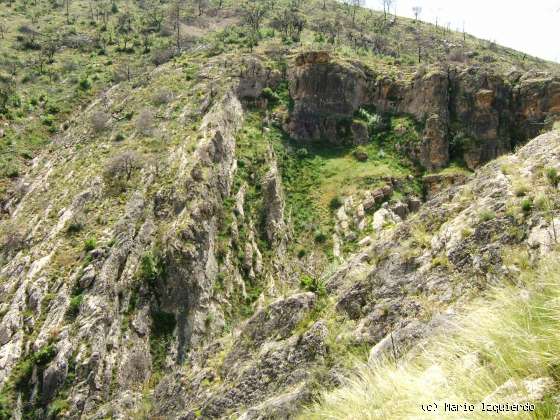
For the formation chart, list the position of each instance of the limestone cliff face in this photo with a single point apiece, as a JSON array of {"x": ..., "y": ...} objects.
[
  {"x": 471, "y": 113},
  {"x": 324, "y": 93}
]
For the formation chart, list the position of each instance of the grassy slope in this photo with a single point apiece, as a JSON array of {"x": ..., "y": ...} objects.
[
  {"x": 46, "y": 95},
  {"x": 513, "y": 333}
]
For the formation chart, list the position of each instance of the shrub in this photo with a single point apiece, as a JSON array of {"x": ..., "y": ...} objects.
[
  {"x": 162, "y": 56},
  {"x": 486, "y": 215},
  {"x": 302, "y": 153},
  {"x": 13, "y": 240},
  {"x": 162, "y": 96},
  {"x": 119, "y": 137},
  {"x": 361, "y": 154},
  {"x": 27, "y": 38},
  {"x": 48, "y": 120},
  {"x": 74, "y": 306},
  {"x": 121, "y": 168},
  {"x": 270, "y": 95},
  {"x": 99, "y": 121},
  {"x": 53, "y": 109},
  {"x": 122, "y": 73},
  {"x": 335, "y": 203},
  {"x": 90, "y": 244},
  {"x": 320, "y": 237},
  {"x": 9, "y": 169},
  {"x": 374, "y": 121},
  {"x": 312, "y": 284},
  {"x": 163, "y": 325},
  {"x": 145, "y": 121},
  {"x": 75, "y": 225},
  {"x": 68, "y": 66},
  {"x": 5, "y": 404},
  {"x": 526, "y": 205},
  {"x": 57, "y": 407},
  {"x": 84, "y": 84},
  {"x": 151, "y": 268},
  {"x": 22, "y": 372}
]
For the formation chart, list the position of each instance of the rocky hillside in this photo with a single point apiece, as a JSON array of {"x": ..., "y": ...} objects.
[{"x": 222, "y": 234}]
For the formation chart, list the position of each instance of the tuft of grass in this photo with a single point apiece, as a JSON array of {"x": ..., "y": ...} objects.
[
  {"x": 74, "y": 306},
  {"x": 90, "y": 244},
  {"x": 75, "y": 226},
  {"x": 527, "y": 205},
  {"x": 510, "y": 335},
  {"x": 486, "y": 215},
  {"x": 466, "y": 233},
  {"x": 312, "y": 284},
  {"x": 552, "y": 177},
  {"x": 520, "y": 188},
  {"x": 441, "y": 261},
  {"x": 84, "y": 84}
]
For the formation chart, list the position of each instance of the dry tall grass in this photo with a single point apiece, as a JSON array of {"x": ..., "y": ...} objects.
[{"x": 513, "y": 334}]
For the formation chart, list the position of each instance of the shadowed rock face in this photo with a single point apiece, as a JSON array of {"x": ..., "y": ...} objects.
[
  {"x": 325, "y": 95},
  {"x": 469, "y": 113}
]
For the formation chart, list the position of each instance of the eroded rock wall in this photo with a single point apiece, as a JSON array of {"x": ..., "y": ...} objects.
[{"x": 468, "y": 113}]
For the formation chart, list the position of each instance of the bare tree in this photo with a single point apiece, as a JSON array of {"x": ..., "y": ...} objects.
[
  {"x": 7, "y": 89},
  {"x": 354, "y": 5},
  {"x": 2, "y": 30},
  {"x": 50, "y": 45},
  {"x": 253, "y": 14},
  {"x": 175, "y": 14},
  {"x": 290, "y": 22},
  {"x": 14, "y": 239},
  {"x": 387, "y": 7},
  {"x": 67, "y": 7},
  {"x": 145, "y": 122},
  {"x": 154, "y": 15},
  {"x": 201, "y": 5},
  {"x": 124, "y": 28},
  {"x": 417, "y": 10},
  {"x": 121, "y": 167},
  {"x": 99, "y": 121},
  {"x": 29, "y": 36}
]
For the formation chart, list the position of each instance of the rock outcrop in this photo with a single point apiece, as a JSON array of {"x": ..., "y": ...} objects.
[{"x": 469, "y": 113}]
